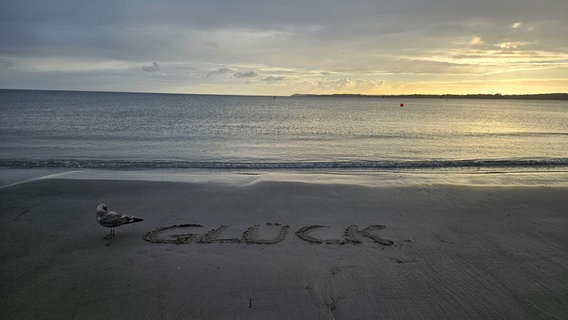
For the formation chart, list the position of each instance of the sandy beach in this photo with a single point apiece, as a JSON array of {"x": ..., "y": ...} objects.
[{"x": 284, "y": 250}]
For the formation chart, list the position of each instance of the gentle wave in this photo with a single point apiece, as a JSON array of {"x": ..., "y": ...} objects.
[{"x": 362, "y": 165}]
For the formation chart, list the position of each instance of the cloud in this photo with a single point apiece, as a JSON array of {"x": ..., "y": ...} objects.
[
  {"x": 5, "y": 64},
  {"x": 218, "y": 72},
  {"x": 340, "y": 40},
  {"x": 212, "y": 44},
  {"x": 273, "y": 79},
  {"x": 476, "y": 40},
  {"x": 348, "y": 85},
  {"x": 154, "y": 67},
  {"x": 511, "y": 44},
  {"x": 245, "y": 74}
]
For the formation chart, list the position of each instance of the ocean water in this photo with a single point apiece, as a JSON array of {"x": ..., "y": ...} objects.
[{"x": 51, "y": 129}]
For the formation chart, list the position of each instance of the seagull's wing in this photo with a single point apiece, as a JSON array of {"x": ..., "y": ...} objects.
[
  {"x": 114, "y": 219},
  {"x": 111, "y": 219},
  {"x": 119, "y": 219}
]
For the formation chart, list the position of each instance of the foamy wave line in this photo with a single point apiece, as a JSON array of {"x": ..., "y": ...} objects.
[{"x": 362, "y": 165}]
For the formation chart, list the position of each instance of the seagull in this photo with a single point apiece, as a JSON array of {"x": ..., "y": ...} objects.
[{"x": 112, "y": 219}]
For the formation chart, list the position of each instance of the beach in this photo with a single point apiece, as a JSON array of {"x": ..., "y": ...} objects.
[{"x": 267, "y": 248}]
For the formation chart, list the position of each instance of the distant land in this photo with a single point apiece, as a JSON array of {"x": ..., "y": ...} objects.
[
  {"x": 536, "y": 96},
  {"x": 541, "y": 96}
]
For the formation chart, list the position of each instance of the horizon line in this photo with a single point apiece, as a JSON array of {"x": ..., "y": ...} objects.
[{"x": 549, "y": 96}]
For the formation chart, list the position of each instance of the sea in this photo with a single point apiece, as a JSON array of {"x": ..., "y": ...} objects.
[{"x": 138, "y": 131}]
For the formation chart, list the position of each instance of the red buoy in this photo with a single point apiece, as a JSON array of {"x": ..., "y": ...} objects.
[{"x": 402, "y": 104}]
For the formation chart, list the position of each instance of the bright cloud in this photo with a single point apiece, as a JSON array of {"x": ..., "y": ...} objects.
[{"x": 476, "y": 40}]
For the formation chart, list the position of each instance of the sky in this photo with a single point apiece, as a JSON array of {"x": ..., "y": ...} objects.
[{"x": 284, "y": 47}]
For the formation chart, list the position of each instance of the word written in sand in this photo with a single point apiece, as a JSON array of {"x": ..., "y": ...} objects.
[{"x": 254, "y": 235}]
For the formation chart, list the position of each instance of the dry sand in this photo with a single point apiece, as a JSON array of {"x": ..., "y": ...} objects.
[{"x": 457, "y": 252}]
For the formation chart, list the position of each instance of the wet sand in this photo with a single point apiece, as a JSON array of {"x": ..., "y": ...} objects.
[{"x": 284, "y": 250}]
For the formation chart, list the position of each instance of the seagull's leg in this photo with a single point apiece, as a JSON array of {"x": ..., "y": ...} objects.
[{"x": 111, "y": 234}]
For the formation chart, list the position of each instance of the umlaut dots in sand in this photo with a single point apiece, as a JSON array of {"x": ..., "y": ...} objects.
[{"x": 251, "y": 235}]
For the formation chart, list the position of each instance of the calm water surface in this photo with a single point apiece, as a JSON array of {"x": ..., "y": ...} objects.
[{"x": 87, "y": 129}]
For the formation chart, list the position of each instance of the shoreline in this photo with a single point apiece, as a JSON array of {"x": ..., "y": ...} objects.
[
  {"x": 466, "y": 177},
  {"x": 470, "y": 251}
]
